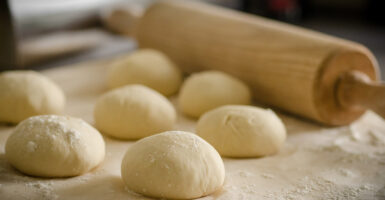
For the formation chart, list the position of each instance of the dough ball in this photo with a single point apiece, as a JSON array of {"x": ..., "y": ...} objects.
[
  {"x": 26, "y": 93},
  {"x": 242, "y": 131},
  {"x": 54, "y": 146},
  {"x": 147, "y": 67},
  {"x": 207, "y": 90},
  {"x": 173, "y": 165},
  {"x": 133, "y": 112}
]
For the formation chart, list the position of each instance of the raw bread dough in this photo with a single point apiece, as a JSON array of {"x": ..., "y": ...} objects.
[
  {"x": 173, "y": 165},
  {"x": 207, "y": 90},
  {"x": 54, "y": 146},
  {"x": 316, "y": 162},
  {"x": 133, "y": 112},
  {"x": 242, "y": 131},
  {"x": 148, "y": 67},
  {"x": 27, "y": 93}
]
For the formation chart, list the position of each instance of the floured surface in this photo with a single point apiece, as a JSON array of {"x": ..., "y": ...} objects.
[{"x": 316, "y": 162}]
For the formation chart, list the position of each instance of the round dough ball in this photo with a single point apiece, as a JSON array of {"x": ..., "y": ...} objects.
[
  {"x": 132, "y": 112},
  {"x": 242, "y": 131},
  {"x": 54, "y": 146},
  {"x": 207, "y": 90},
  {"x": 173, "y": 165},
  {"x": 27, "y": 93},
  {"x": 147, "y": 67}
]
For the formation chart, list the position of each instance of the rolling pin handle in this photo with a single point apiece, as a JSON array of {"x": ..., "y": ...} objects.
[{"x": 356, "y": 90}]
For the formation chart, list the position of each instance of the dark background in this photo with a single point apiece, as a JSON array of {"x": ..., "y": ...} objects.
[{"x": 362, "y": 21}]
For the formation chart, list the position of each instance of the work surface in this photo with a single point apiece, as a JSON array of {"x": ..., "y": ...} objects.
[{"x": 316, "y": 162}]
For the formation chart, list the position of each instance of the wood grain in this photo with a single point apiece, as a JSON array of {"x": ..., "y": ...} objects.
[
  {"x": 356, "y": 91},
  {"x": 288, "y": 67}
]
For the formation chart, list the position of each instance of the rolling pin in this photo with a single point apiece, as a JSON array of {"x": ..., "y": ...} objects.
[{"x": 313, "y": 75}]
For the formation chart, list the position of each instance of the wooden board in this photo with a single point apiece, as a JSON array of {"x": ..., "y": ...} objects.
[{"x": 316, "y": 162}]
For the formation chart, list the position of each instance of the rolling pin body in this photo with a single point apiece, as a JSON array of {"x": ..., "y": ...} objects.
[{"x": 287, "y": 67}]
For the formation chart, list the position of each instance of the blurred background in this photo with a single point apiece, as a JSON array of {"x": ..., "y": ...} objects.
[{"x": 47, "y": 33}]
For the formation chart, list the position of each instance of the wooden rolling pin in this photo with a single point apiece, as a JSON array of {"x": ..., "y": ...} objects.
[{"x": 311, "y": 74}]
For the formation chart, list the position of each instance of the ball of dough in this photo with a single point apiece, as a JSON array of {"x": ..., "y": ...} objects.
[
  {"x": 207, "y": 90},
  {"x": 26, "y": 93},
  {"x": 54, "y": 146},
  {"x": 147, "y": 67},
  {"x": 133, "y": 112},
  {"x": 173, "y": 165},
  {"x": 242, "y": 131}
]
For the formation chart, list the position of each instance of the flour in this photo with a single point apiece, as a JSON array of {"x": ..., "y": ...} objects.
[
  {"x": 244, "y": 173},
  {"x": 267, "y": 176},
  {"x": 43, "y": 189},
  {"x": 318, "y": 187},
  {"x": 316, "y": 162},
  {"x": 73, "y": 136},
  {"x": 31, "y": 146},
  {"x": 334, "y": 163},
  {"x": 346, "y": 172},
  {"x": 51, "y": 125}
]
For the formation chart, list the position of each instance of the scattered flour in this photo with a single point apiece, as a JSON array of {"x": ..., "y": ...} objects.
[
  {"x": 267, "y": 176},
  {"x": 316, "y": 163},
  {"x": 43, "y": 190},
  {"x": 346, "y": 172},
  {"x": 245, "y": 174},
  {"x": 73, "y": 136},
  {"x": 31, "y": 146}
]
